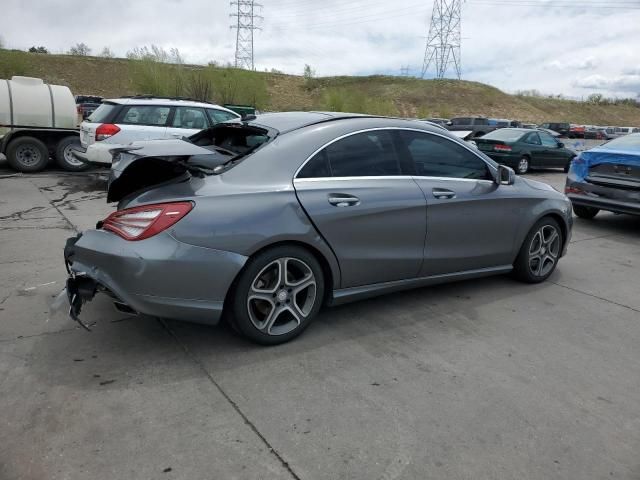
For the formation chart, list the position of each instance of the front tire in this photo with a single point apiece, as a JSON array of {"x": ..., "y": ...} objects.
[
  {"x": 585, "y": 212},
  {"x": 523, "y": 165},
  {"x": 540, "y": 252},
  {"x": 568, "y": 165},
  {"x": 65, "y": 158},
  {"x": 27, "y": 154},
  {"x": 277, "y": 295}
]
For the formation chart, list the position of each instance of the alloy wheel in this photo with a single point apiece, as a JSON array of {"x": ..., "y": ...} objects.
[
  {"x": 523, "y": 165},
  {"x": 544, "y": 250},
  {"x": 281, "y": 296}
]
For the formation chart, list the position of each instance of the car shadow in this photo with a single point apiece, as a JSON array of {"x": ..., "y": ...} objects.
[{"x": 389, "y": 323}]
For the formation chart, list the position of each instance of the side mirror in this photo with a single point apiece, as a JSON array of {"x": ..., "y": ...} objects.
[
  {"x": 506, "y": 175},
  {"x": 560, "y": 145},
  {"x": 449, "y": 123}
]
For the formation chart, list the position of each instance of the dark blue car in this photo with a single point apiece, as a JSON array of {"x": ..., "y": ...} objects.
[{"x": 606, "y": 178}]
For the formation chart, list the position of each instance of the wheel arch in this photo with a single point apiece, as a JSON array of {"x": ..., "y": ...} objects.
[
  {"x": 332, "y": 277},
  {"x": 560, "y": 219}
]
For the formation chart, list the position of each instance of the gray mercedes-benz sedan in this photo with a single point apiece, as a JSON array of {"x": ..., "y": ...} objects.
[{"x": 264, "y": 221}]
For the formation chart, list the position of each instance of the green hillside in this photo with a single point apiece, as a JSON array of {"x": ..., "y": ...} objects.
[{"x": 275, "y": 91}]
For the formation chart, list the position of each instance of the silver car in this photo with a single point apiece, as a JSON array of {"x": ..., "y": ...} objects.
[{"x": 262, "y": 222}]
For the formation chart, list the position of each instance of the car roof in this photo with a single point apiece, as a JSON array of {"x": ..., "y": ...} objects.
[
  {"x": 284, "y": 122},
  {"x": 165, "y": 101}
]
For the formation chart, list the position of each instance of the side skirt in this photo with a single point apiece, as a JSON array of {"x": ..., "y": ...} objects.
[{"x": 351, "y": 294}]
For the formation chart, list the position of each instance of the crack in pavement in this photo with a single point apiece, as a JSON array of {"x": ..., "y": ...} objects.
[
  {"x": 66, "y": 219},
  {"x": 35, "y": 335},
  {"x": 233, "y": 404},
  {"x": 595, "y": 296}
]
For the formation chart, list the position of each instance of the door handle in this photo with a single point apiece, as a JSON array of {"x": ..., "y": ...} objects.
[
  {"x": 341, "y": 200},
  {"x": 443, "y": 193}
]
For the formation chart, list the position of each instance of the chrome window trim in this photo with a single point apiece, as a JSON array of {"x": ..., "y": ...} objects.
[
  {"x": 427, "y": 132},
  {"x": 390, "y": 177}
]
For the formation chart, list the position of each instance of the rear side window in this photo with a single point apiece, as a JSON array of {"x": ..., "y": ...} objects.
[
  {"x": 218, "y": 116},
  {"x": 435, "y": 156},
  {"x": 102, "y": 113},
  {"x": 151, "y": 115},
  {"x": 366, "y": 154}
]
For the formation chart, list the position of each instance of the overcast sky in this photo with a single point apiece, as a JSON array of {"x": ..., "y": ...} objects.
[{"x": 575, "y": 47}]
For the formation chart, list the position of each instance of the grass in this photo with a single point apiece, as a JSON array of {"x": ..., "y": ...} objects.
[{"x": 384, "y": 95}]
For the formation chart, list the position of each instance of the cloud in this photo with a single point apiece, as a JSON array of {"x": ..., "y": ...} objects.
[
  {"x": 588, "y": 63},
  {"x": 629, "y": 83}
]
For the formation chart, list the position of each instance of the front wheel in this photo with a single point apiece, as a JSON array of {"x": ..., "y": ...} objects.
[
  {"x": 585, "y": 212},
  {"x": 65, "y": 157},
  {"x": 277, "y": 295},
  {"x": 568, "y": 165},
  {"x": 540, "y": 252}
]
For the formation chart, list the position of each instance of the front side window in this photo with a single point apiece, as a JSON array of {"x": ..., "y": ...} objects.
[
  {"x": 461, "y": 121},
  {"x": 435, "y": 156},
  {"x": 366, "y": 154},
  {"x": 189, "y": 117},
  {"x": 218, "y": 116},
  {"x": 151, "y": 115},
  {"x": 548, "y": 140}
]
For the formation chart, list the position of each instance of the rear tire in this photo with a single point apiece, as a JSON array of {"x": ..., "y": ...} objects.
[
  {"x": 540, "y": 252},
  {"x": 277, "y": 295},
  {"x": 523, "y": 165},
  {"x": 585, "y": 212},
  {"x": 27, "y": 154},
  {"x": 65, "y": 158}
]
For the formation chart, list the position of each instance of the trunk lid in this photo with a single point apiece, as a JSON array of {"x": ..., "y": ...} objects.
[{"x": 143, "y": 165}]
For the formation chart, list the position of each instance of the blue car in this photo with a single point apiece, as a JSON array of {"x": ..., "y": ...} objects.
[{"x": 606, "y": 178}]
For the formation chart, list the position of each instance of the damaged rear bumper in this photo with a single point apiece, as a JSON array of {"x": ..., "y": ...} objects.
[{"x": 159, "y": 276}]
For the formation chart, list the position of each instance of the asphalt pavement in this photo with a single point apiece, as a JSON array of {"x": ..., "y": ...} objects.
[{"x": 485, "y": 379}]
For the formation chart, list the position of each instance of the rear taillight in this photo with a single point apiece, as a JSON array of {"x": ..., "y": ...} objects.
[
  {"x": 143, "y": 222},
  {"x": 502, "y": 148},
  {"x": 106, "y": 130},
  {"x": 573, "y": 190}
]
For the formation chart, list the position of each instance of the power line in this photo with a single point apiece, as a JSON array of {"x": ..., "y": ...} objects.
[
  {"x": 443, "y": 41},
  {"x": 245, "y": 26}
]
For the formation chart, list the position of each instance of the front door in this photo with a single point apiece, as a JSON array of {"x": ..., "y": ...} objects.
[
  {"x": 471, "y": 223},
  {"x": 554, "y": 156},
  {"x": 372, "y": 217}
]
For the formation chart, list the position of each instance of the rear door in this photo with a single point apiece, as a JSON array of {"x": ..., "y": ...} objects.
[
  {"x": 187, "y": 121},
  {"x": 471, "y": 223},
  {"x": 371, "y": 215},
  {"x": 141, "y": 122}
]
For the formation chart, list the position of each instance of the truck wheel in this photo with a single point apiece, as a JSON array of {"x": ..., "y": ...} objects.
[
  {"x": 65, "y": 158},
  {"x": 27, "y": 154}
]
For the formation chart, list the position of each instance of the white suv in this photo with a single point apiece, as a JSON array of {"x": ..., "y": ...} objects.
[{"x": 119, "y": 122}]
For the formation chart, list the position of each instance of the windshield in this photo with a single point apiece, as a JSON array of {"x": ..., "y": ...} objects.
[
  {"x": 629, "y": 142},
  {"x": 504, "y": 135},
  {"x": 101, "y": 113}
]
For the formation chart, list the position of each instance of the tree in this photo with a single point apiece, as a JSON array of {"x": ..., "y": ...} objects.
[
  {"x": 309, "y": 72},
  {"x": 1, "y": 42},
  {"x": 596, "y": 98},
  {"x": 80, "y": 49},
  {"x": 107, "y": 53},
  {"x": 40, "y": 49}
]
